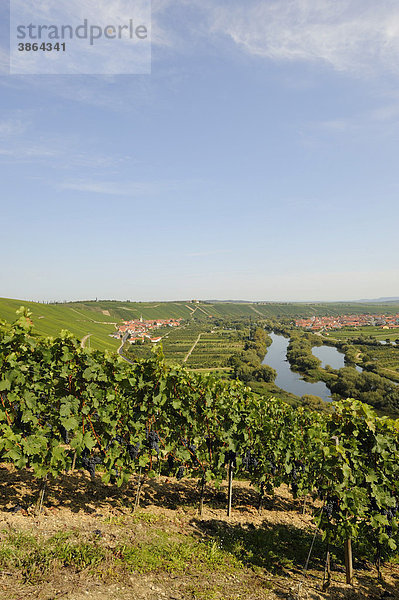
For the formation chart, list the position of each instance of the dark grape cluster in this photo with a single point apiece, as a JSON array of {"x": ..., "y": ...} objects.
[
  {"x": 389, "y": 513},
  {"x": 230, "y": 457},
  {"x": 180, "y": 473},
  {"x": 121, "y": 441},
  {"x": 192, "y": 448},
  {"x": 118, "y": 439},
  {"x": 133, "y": 450},
  {"x": 153, "y": 441},
  {"x": 171, "y": 463},
  {"x": 249, "y": 461},
  {"x": 90, "y": 462},
  {"x": 331, "y": 507}
]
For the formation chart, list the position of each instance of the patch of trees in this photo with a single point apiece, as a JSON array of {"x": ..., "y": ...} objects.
[
  {"x": 247, "y": 365},
  {"x": 299, "y": 352},
  {"x": 367, "y": 387}
]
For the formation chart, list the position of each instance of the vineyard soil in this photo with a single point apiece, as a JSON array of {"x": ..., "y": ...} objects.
[{"x": 88, "y": 544}]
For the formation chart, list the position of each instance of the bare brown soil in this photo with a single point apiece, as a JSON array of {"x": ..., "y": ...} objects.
[{"x": 73, "y": 503}]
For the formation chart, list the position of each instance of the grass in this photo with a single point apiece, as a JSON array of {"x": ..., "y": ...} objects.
[{"x": 36, "y": 558}]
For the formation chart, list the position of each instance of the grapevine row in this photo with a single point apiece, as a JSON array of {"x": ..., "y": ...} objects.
[{"x": 63, "y": 407}]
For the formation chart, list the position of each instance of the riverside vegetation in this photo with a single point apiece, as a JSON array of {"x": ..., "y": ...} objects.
[{"x": 374, "y": 385}]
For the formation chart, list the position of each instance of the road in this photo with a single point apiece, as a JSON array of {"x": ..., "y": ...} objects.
[{"x": 119, "y": 351}]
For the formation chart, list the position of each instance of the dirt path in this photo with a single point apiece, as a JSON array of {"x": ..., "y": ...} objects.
[
  {"x": 84, "y": 339},
  {"x": 192, "y": 348},
  {"x": 86, "y": 318},
  {"x": 257, "y": 311}
]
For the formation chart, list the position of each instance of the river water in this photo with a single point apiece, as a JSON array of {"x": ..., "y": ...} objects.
[
  {"x": 286, "y": 379},
  {"x": 331, "y": 356}
]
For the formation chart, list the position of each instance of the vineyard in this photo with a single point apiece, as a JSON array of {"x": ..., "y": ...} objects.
[{"x": 64, "y": 408}]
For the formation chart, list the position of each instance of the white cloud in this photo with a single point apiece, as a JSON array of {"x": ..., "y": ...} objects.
[
  {"x": 12, "y": 127},
  {"x": 123, "y": 188},
  {"x": 350, "y": 35}
]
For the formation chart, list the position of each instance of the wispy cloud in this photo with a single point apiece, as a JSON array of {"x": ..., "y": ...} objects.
[
  {"x": 350, "y": 35},
  {"x": 12, "y": 127},
  {"x": 124, "y": 188},
  {"x": 21, "y": 141}
]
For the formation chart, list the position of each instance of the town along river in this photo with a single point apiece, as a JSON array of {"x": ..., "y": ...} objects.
[{"x": 286, "y": 379}]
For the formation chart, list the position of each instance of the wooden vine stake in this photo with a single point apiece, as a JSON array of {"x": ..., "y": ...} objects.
[
  {"x": 348, "y": 561},
  {"x": 202, "y": 491},
  {"x": 138, "y": 490},
  {"x": 261, "y": 498},
  {"x": 42, "y": 491},
  {"x": 327, "y": 570},
  {"x": 230, "y": 490}
]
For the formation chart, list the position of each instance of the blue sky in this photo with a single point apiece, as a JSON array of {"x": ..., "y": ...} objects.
[{"x": 258, "y": 161}]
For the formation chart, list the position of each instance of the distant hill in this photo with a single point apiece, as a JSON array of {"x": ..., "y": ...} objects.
[
  {"x": 99, "y": 318},
  {"x": 379, "y": 300}
]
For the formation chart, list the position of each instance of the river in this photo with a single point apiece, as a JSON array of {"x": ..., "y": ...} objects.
[{"x": 286, "y": 379}]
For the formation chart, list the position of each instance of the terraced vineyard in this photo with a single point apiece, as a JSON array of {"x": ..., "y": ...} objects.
[
  {"x": 210, "y": 348},
  {"x": 178, "y": 342},
  {"x": 214, "y": 349},
  {"x": 50, "y": 319},
  {"x": 354, "y": 332}
]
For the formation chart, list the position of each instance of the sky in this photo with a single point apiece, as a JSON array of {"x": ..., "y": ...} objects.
[{"x": 257, "y": 161}]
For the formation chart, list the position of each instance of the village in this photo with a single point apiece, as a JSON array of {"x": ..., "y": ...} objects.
[
  {"x": 337, "y": 322},
  {"x": 138, "y": 330}
]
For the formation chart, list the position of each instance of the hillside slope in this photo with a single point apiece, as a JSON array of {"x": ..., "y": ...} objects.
[{"x": 99, "y": 318}]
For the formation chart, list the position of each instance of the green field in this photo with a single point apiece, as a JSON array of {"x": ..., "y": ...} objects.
[
  {"x": 214, "y": 349},
  {"x": 98, "y": 319},
  {"x": 211, "y": 352},
  {"x": 49, "y": 320},
  {"x": 354, "y": 332}
]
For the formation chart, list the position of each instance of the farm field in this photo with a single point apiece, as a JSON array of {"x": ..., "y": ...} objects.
[
  {"x": 116, "y": 311},
  {"x": 176, "y": 343},
  {"x": 214, "y": 349},
  {"x": 355, "y": 332},
  {"x": 211, "y": 349}
]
